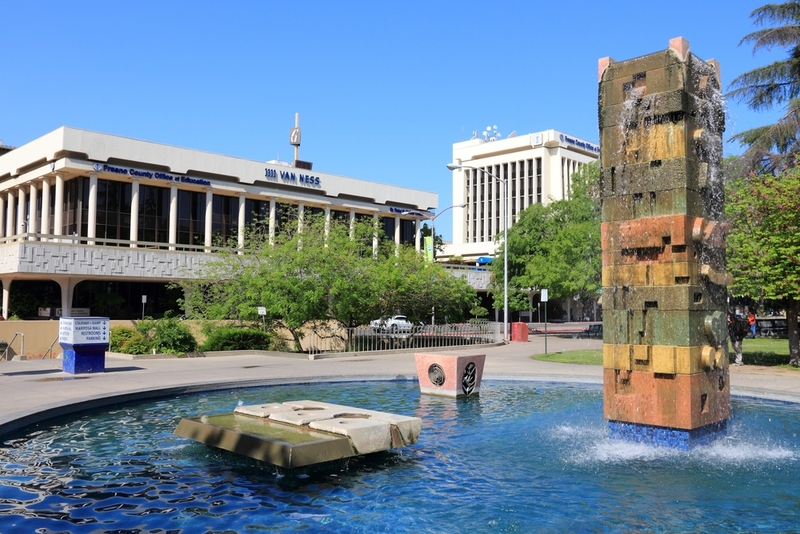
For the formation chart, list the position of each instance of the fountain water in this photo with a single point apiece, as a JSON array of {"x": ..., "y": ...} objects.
[
  {"x": 521, "y": 457},
  {"x": 664, "y": 284}
]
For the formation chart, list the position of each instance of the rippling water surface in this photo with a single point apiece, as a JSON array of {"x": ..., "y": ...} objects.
[{"x": 523, "y": 457}]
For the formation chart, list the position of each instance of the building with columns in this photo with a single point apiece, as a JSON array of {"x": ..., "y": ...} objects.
[
  {"x": 100, "y": 214},
  {"x": 537, "y": 168}
]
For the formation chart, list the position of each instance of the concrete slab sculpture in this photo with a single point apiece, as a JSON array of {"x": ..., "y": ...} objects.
[
  {"x": 302, "y": 433},
  {"x": 664, "y": 283}
]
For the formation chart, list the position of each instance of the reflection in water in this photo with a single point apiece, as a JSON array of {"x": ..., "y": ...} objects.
[{"x": 520, "y": 457}]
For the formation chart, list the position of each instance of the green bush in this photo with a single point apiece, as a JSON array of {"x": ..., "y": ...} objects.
[
  {"x": 167, "y": 335},
  {"x": 118, "y": 337},
  {"x": 233, "y": 338},
  {"x": 138, "y": 344},
  {"x": 129, "y": 341}
]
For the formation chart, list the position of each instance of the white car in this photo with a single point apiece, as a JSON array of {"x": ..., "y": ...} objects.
[{"x": 395, "y": 323}]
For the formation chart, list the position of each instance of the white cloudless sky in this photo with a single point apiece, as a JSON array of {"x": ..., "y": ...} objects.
[{"x": 383, "y": 88}]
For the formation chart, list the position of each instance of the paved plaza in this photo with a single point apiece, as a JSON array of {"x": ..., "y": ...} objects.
[{"x": 37, "y": 390}]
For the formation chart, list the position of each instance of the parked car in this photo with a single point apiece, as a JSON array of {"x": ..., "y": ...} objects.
[{"x": 395, "y": 323}]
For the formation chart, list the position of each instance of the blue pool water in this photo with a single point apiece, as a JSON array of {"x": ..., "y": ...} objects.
[{"x": 523, "y": 457}]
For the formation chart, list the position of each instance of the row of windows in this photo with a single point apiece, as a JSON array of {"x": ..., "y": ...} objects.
[
  {"x": 113, "y": 214},
  {"x": 484, "y": 195}
]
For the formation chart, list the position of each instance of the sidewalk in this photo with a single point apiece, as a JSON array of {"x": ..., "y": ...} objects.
[{"x": 37, "y": 390}]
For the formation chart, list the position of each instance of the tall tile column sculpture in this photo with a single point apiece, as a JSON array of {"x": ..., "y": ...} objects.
[{"x": 664, "y": 294}]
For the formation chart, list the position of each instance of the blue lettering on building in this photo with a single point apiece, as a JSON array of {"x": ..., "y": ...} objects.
[
  {"x": 153, "y": 175},
  {"x": 589, "y": 147},
  {"x": 141, "y": 174},
  {"x": 298, "y": 179},
  {"x": 117, "y": 170}
]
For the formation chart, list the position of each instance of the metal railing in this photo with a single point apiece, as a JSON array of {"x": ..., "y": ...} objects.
[
  {"x": 108, "y": 242},
  {"x": 50, "y": 348},
  {"x": 21, "y": 352},
  {"x": 366, "y": 339}
]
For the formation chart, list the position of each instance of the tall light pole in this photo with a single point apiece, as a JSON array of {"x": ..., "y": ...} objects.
[
  {"x": 432, "y": 219},
  {"x": 457, "y": 167}
]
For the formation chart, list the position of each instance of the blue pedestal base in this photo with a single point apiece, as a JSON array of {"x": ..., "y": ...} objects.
[
  {"x": 82, "y": 360},
  {"x": 673, "y": 438}
]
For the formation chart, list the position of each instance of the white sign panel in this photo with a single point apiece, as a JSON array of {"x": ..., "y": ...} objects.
[
  {"x": 83, "y": 330},
  {"x": 544, "y": 295}
]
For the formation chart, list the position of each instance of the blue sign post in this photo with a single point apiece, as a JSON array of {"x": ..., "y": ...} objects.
[{"x": 85, "y": 342}]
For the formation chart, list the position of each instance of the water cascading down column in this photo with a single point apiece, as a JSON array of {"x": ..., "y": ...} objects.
[{"x": 665, "y": 358}]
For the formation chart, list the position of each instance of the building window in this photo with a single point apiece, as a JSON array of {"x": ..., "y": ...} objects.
[
  {"x": 224, "y": 217},
  {"x": 72, "y": 215},
  {"x": 153, "y": 214},
  {"x": 342, "y": 216},
  {"x": 387, "y": 223},
  {"x": 286, "y": 217},
  {"x": 408, "y": 232},
  {"x": 191, "y": 217},
  {"x": 539, "y": 180},
  {"x": 113, "y": 209},
  {"x": 256, "y": 215}
]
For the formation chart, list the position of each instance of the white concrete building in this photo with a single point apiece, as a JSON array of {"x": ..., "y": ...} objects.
[
  {"x": 537, "y": 167},
  {"x": 79, "y": 206}
]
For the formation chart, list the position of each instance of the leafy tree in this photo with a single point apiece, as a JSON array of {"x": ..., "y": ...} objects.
[
  {"x": 764, "y": 243},
  {"x": 773, "y": 146},
  {"x": 556, "y": 246},
  {"x": 326, "y": 273}
]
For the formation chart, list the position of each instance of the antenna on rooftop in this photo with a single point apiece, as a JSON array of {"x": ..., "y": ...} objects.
[
  {"x": 512, "y": 134},
  {"x": 294, "y": 140},
  {"x": 491, "y": 133}
]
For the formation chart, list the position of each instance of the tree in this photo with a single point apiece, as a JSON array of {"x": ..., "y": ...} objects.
[
  {"x": 772, "y": 147},
  {"x": 764, "y": 243},
  {"x": 327, "y": 272},
  {"x": 556, "y": 246}
]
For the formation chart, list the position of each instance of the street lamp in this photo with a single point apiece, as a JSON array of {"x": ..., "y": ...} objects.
[
  {"x": 457, "y": 167},
  {"x": 432, "y": 219}
]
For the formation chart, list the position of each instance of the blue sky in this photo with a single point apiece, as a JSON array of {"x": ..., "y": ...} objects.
[{"x": 383, "y": 88}]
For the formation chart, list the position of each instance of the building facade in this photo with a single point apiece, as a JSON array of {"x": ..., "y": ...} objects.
[
  {"x": 79, "y": 206},
  {"x": 537, "y": 168}
]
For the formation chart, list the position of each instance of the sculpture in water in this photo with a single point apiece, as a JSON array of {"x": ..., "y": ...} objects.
[{"x": 664, "y": 284}]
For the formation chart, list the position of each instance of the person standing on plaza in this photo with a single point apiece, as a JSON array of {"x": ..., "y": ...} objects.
[
  {"x": 751, "y": 323},
  {"x": 737, "y": 330}
]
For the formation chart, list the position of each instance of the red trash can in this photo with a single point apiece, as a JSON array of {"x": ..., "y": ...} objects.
[{"x": 519, "y": 332}]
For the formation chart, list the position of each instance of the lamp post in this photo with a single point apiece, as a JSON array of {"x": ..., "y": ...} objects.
[
  {"x": 433, "y": 223},
  {"x": 457, "y": 167}
]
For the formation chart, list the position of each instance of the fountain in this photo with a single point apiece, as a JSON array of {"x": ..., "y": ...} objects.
[
  {"x": 664, "y": 284},
  {"x": 520, "y": 457}
]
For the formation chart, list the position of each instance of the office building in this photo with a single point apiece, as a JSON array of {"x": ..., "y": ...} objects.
[
  {"x": 537, "y": 167},
  {"x": 101, "y": 214}
]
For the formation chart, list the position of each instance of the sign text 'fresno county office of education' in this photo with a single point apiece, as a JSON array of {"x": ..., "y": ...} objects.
[{"x": 83, "y": 330}]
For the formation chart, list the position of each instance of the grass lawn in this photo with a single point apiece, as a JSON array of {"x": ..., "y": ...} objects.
[
  {"x": 584, "y": 357},
  {"x": 758, "y": 351},
  {"x": 766, "y": 351}
]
